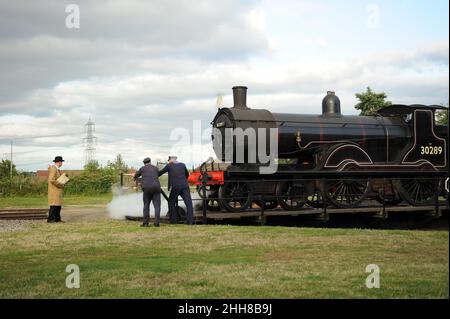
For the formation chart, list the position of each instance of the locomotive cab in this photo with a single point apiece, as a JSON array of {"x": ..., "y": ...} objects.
[{"x": 428, "y": 141}]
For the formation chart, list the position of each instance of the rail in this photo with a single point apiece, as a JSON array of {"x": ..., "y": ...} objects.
[{"x": 23, "y": 213}]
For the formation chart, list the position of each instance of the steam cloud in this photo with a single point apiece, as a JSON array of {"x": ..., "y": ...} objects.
[{"x": 126, "y": 202}]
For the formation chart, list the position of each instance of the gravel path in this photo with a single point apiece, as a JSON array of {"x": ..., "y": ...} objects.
[
  {"x": 72, "y": 214},
  {"x": 15, "y": 225}
]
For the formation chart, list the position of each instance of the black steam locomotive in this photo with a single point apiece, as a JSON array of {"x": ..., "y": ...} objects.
[{"x": 399, "y": 154}]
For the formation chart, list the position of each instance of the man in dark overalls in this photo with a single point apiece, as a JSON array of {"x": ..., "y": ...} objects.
[
  {"x": 151, "y": 190},
  {"x": 178, "y": 185}
]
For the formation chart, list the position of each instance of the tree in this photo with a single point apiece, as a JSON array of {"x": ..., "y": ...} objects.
[
  {"x": 92, "y": 166},
  {"x": 442, "y": 116},
  {"x": 5, "y": 169},
  {"x": 370, "y": 102},
  {"x": 118, "y": 165}
]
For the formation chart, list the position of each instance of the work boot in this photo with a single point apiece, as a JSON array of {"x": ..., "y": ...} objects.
[
  {"x": 156, "y": 225},
  {"x": 51, "y": 216},
  {"x": 144, "y": 225},
  {"x": 57, "y": 216}
]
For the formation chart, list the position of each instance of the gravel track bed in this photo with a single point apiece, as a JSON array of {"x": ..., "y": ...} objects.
[{"x": 15, "y": 225}]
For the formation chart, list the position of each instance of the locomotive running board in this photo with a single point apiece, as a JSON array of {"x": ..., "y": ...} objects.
[{"x": 374, "y": 211}]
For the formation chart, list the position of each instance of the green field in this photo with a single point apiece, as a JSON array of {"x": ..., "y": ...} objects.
[
  {"x": 69, "y": 201},
  {"x": 121, "y": 260}
]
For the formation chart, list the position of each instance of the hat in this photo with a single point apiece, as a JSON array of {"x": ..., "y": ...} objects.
[
  {"x": 58, "y": 159},
  {"x": 174, "y": 158},
  {"x": 147, "y": 160}
]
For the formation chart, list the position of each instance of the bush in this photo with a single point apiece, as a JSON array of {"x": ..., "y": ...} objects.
[
  {"x": 98, "y": 181},
  {"x": 21, "y": 185},
  {"x": 93, "y": 180}
]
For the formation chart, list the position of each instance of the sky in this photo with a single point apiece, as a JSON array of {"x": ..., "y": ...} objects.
[{"x": 148, "y": 73}]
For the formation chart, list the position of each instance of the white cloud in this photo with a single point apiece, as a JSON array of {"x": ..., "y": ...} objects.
[
  {"x": 139, "y": 81},
  {"x": 257, "y": 19}
]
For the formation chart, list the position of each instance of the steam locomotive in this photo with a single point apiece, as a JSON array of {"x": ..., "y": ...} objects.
[{"x": 399, "y": 154}]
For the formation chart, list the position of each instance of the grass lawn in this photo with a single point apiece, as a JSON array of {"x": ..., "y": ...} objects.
[
  {"x": 69, "y": 201},
  {"x": 121, "y": 260}
]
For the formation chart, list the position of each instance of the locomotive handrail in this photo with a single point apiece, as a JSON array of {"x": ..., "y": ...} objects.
[
  {"x": 325, "y": 123},
  {"x": 325, "y": 173}
]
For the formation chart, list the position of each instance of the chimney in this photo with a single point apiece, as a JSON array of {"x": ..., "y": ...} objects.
[
  {"x": 240, "y": 97},
  {"x": 331, "y": 105}
]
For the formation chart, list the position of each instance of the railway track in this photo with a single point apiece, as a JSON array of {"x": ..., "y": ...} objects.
[
  {"x": 400, "y": 216},
  {"x": 23, "y": 214}
]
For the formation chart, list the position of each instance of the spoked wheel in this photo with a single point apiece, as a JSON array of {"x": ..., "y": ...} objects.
[
  {"x": 235, "y": 196},
  {"x": 315, "y": 199},
  {"x": 347, "y": 192},
  {"x": 291, "y": 196},
  {"x": 418, "y": 191}
]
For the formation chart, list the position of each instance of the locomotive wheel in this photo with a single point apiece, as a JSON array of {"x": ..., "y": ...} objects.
[
  {"x": 290, "y": 196},
  {"x": 418, "y": 191},
  {"x": 347, "y": 192},
  {"x": 235, "y": 196},
  {"x": 315, "y": 200}
]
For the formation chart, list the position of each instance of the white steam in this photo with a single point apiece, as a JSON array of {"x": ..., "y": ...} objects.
[{"x": 127, "y": 202}]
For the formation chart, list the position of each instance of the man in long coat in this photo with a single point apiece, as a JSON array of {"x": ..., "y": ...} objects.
[{"x": 55, "y": 191}]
